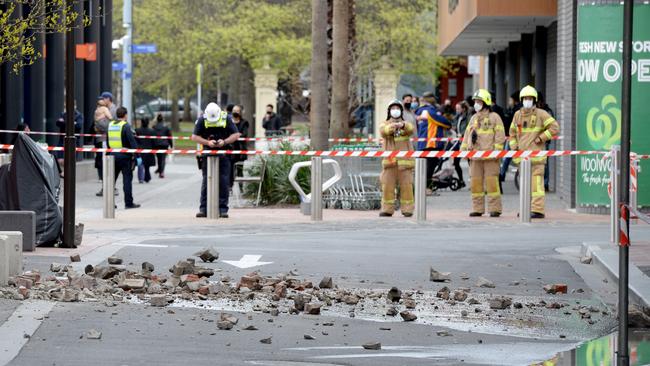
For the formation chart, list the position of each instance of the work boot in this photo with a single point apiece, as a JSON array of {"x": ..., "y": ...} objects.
[
  {"x": 385, "y": 214},
  {"x": 495, "y": 214},
  {"x": 201, "y": 214},
  {"x": 475, "y": 214},
  {"x": 407, "y": 214},
  {"x": 100, "y": 193},
  {"x": 223, "y": 215},
  {"x": 133, "y": 205},
  {"x": 537, "y": 215}
]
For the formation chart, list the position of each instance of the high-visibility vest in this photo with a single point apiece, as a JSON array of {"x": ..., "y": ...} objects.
[
  {"x": 221, "y": 122},
  {"x": 115, "y": 134}
]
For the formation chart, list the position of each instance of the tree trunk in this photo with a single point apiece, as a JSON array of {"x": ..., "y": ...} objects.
[
  {"x": 247, "y": 94},
  {"x": 340, "y": 70},
  {"x": 319, "y": 112},
  {"x": 175, "y": 123},
  {"x": 187, "y": 110}
]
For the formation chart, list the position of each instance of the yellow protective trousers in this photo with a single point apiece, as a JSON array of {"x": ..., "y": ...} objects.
[
  {"x": 485, "y": 181},
  {"x": 390, "y": 178}
]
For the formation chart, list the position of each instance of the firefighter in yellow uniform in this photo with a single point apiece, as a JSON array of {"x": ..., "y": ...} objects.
[
  {"x": 485, "y": 131},
  {"x": 396, "y": 133},
  {"x": 530, "y": 130}
]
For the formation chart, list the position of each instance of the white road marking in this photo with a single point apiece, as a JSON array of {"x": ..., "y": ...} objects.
[
  {"x": 24, "y": 321},
  {"x": 96, "y": 256},
  {"x": 248, "y": 261},
  {"x": 149, "y": 245}
]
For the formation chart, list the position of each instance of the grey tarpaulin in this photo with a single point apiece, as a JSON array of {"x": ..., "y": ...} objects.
[{"x": 32, "y": 183}]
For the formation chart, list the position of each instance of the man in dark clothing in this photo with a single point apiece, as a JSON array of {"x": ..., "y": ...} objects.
[
  {"x": 148, "y": 160},
  {"x": 272, "y": 123},
  {"x": 242, "y": 127},
  {"x": 161, "y": 129},
  {"x": 215, "y": 131},
  {"x": 120, "y": 135},
  {"x": 513, "y": 107}
]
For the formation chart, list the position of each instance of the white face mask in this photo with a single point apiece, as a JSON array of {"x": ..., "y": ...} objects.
[
  {"x": 528, "y": 103},
  {"x": 478, "y": 106},
  {"x": 395, "y": 113}
]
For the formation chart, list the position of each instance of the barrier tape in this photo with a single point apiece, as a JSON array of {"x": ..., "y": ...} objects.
[
  {"x": 624, "y": 240},
  {"x": 633, "y": 178},
  {"x": 492, "y": 154},
  {"x": 253, "y": 139}
]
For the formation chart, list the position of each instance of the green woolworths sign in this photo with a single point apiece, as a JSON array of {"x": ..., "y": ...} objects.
[{"x": 599, "y": 69}]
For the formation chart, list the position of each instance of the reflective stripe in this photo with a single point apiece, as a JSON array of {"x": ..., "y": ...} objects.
[
  {"x": 498, "y": 146},
  {"x": 499, "y": 128},
  {"x": 463, "y": 146},
  {"x": 494, "y": 194},
  {"x": 485, "y": 132},
  {"x": 540, "y": 187},
  {"x": 402, "y": 138},
  {"x": 549, "y": 121},
  {"x": 407, "y": 201},
  {"x": 533, "y": 160},
  {"x": 478, "y": 194},
  {"x": 513, "y": 144},
  {"x": 548, "y": 134},
  {"x": 115, "y": 134},
  {"x": 219, "y": 123},
  {"x": 532, "y": 129},
  {"x": 407, "y": 163}
]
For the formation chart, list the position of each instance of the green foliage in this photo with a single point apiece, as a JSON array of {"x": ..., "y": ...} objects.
[
  {"x": 276, "y": 188},
  {"x": 18, "y": 30}
]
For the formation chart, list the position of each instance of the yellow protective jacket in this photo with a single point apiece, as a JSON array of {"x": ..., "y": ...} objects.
[
  {"x": 490, "y": 133},
  {"x": 529, "y": 125},
  {"x": 397, "y": 139}
]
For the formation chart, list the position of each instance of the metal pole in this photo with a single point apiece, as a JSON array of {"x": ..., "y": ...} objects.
[
  {"x": 420, "y": 189},
  {"x": 69, "y": 141},
  {"x": 524, "y": 190},
  {"x": 623, "y": 251},
  {"x": 108, "y": 185},
  {"x": 127, "y": 59},
  {"x": 199, "y": 79},
  {"x": 213, "y": 187},
  {"x": 615, "y": 200},
  {"x": 317, "y": 188}
]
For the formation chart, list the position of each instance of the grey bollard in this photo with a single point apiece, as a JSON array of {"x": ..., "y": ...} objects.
[
  {"x": 525, "y": 171},
  {"x": 213, "y": 187},
  {"x": 421, "y": 189},
  {"x": 317, "y": 188},
  {"x": 634, "y": 194},
  {"x": 5, "y": 159},
  {"x": 11, "y": 255},
  {"x": 615, "y": 199},
  {"x": 108, "y": 185}
]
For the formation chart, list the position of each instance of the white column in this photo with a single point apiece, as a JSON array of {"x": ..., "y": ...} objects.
[
  {"x": 266, "y": 85},
  {"x": 386, "y": 79}
]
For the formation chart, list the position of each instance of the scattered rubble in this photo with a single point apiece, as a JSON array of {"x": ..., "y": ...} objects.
[
  {"x": 75, "y": 258},
  {"x": 93, "y": 334},
  {"x": 559, "y": 288},
  {"x": 266, "y": 340},
  {"x": 373, "y": 346},
  {"x": 312, "y": 309},
  {"x": 500, "y": 302},
  {"x": 485, "y": 283},
  {"x": 408, "y": 316},
  {"x": 394, "y": 294},
  {"x": 308, "y": 337},
  {"x": 436, "y": 276},
  {"x": 114, "y": 260},
  {"x": 326, "y": 282},
  {"x": 207, "y": 255}
]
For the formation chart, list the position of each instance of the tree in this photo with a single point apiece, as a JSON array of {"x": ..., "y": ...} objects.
[
  {"x": 22, "y": 20},
  {"x": 319, "y": 112},
  {"x": 340, "y": 69}
]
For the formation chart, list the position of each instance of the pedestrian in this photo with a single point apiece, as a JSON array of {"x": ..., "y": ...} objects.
[
  {"x": 513, "y": 107},
  {"x": 484, "y": 132},
  {"x": 242, "y": 126},
  {"x": 271, "y": 122},
  {"x": 215, "y": 131},
  {"x": 120, "y": 136},
  {"x": 432, "y": 126},
  {"x": 460, "y": 125},
  {"x": 409, "y": 114},
  {"x": 161, "y": 130},
  {"x": 541, "y": 103},
  {"x": 396, "y": 133},
  {"x": 148, "y": 160},
  {"x": 101, "y": 118},
  {"x": 531, "y": 128},
  {"x": 108, "y": 102}
]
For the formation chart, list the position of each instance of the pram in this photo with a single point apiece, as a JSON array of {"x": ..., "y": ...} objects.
[{"x": 443, "y": 173}]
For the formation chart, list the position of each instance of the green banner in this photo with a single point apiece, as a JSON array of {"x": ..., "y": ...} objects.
[{"x": 598, "y": 79}]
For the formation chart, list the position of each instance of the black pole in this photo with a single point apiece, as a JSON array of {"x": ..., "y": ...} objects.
[
  {"x": 70, "y": 143},
  {"x": 622, "y": 354}
]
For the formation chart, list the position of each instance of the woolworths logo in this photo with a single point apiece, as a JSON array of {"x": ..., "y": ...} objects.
[{"x": 604, "y": 124}]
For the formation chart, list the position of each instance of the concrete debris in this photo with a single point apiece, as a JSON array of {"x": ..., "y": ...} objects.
[
  {"x": 443, "y": 293},
  {"x": 559, "y": 288},
  {"x": 409, "y": 303},
  {"x": 463, "y": 313},
  {"x": 266, "y": 340},
  {"x": 351, "y": 299},
  {"x": 391, "y": 311},
  {"x": 517, "y": 305},
  {"x": 312, "y": 309},
  {"x": 638, "y": 317},
  {"x": 225, "y": 325},
  {"x": 500, "y": 302},
  {"x": 75, "y": 258},
  {"x": 114, "y": 260},
  {"x": 436, "y": 276},
  {"x": 394, "y": 294},
  {"x": 408, "y": 316},
  {"x": 473, "y": 301},
  {"x": 158, "y": 300},
  {"x": 299, "y": 302},
  {"x": 485, "y": 283},
  {"x": 207, "y": 255},
  {"x": 251, "y": 327},
  {"x": 326, "y": 282},
  {"x": 443, "y": 333},
  {"x": 56, "y": 267},
  {"x": 132, "y": 284},
  {"x": 460, "y": 295},
  {"x": 308, "y": 337},
  {"x": 147, "y": 267},
  {"x": 93, "y": 334},
  {"x": 373, "y": 346}
]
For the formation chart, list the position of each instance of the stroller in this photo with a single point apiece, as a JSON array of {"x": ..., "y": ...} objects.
[{"x": 443, "y": 174}]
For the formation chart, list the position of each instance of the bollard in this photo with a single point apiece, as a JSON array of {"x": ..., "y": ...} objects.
[
  {"x": 615, "y": 199},
  {"x": 420, "y": 189},
  {"x": 213, "y": 187},
  {"x": 634, "y": 183},
  {"x": 11, "y": 255},
  {"x": 525, "y": 177},
  {"x": 108, "y": 185},
  {"x": 5, "y": 159},
  {"x": 317, "y": 188}
]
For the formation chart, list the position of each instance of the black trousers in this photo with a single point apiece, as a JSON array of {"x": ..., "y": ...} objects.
[
  {"x": 123, "y": 164},
  {"x": 162, "y": 158}
]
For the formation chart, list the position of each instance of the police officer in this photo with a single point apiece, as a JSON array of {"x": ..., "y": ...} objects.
[
  {"x": 215, "y": 131},
  {"x": 121, "y": 136}
]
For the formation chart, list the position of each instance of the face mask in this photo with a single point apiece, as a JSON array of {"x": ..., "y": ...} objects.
[
  {"x": 528, "y": 103},
  {"x": 478, "y": 106},
  {"x": 236, "y": 115},
  {"x": 407, "y": 106},
  {"x": 414, "y": 105},
  {"x": 395, "y": 113}
]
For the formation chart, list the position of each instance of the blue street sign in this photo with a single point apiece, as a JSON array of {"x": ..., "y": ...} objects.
[
  {"x": 126, "y": 75},
  {"x": 144, "y": 48},
  {"x": 118, "y": 66}
]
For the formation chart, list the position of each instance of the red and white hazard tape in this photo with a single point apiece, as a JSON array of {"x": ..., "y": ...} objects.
[
  {"x": 624, "y": 237},
  {"x": 475, "y": 154},
  {"x": 633, "y": 178}
]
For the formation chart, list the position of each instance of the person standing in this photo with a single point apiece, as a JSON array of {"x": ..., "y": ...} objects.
[
  {"x": 396, "y": 133},
  {"x": 484, "y": 132},
  {"x": 460, "y": 125},
  {"x": 431, "y": 127},
  {"x": 215, "y": 131},
  {"x": 102, "y": 117},
  {"x": 242, "y": 126},
  {"x": 161, "y": 130},
  {"x": 148, "y": 160},
  {"x": 107, "y": 97},
  {"x": 409, "y": 115},
  {"x": 531, "y": 128},
  {"x": 272, "y": 123},
  {"x": 120, "y": 136}
]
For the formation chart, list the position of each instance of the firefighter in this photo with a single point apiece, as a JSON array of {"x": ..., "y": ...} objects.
[
  {"x": 531, "y": 128},
  {"x": 396, "y": 133},
  {"x": 484, "y": 132}
]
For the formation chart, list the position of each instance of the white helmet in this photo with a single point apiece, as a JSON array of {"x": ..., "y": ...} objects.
[{"x": 212, "y": 112}]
